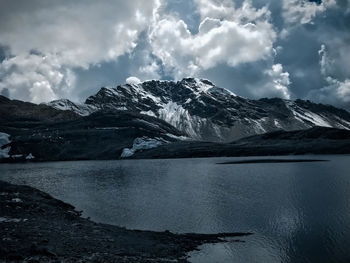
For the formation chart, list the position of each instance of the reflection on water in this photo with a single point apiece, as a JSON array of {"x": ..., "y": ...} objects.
[{"x": 299, "y": 212}]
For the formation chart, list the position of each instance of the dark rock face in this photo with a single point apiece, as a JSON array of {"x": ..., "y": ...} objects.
[{"x": 206, "y": 112}]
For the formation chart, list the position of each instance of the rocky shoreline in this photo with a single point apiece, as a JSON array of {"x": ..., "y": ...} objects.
[{"x": 35, "y": 227}]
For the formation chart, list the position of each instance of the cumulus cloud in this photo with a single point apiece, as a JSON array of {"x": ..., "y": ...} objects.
[
  {"x": 132, "y": 80},
  {"x": 214, "y": 8},
  {"x": 222, "y": 38},
  {"x": 55, "y": 49},
  {"x": 279, "y": 82},
  {"x": 37, "y": 77},
  {"x": 64, "y": 35},
  {"x": 303, "y": 11},
  {"x": 335, "y": 91},
  {"x": 275, "y": 82}
]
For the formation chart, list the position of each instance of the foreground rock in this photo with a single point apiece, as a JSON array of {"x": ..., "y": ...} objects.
[{"x": 35, "y": 227}]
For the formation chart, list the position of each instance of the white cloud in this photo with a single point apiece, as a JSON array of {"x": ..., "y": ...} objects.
[
  {"x": 279, "y": 81},
  {"x": 35, "y": 77},
  {"x": 336, "y": 91},
  {"x": 275, "y": 84},
  {"x": 215, "y": 8},
  {"x": 46, "y": 41},
  {"x": 324, "y": 60},
  {"x": 223, "y": 38},
  {"x": 147, "y": 66},
  {"x": 303, "y": 11},
  {"x": 343, "y": 90},
  {"x": 132, "y": 80}
]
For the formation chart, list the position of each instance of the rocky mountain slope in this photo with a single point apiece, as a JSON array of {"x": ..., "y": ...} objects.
[
  {"x": 41, "y": 133},
  {"x": 16, "y": 110},
  {"x": 207, "y": 112},
  {"x": 316, "y": 140}
]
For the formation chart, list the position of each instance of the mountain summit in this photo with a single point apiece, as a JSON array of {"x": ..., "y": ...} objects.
[{"x": 204, "y": 111}]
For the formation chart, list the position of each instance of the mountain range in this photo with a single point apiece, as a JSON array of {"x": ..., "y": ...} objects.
[
  {"x": 163, "y": 119},
  {"x": 206, "y": 112}
]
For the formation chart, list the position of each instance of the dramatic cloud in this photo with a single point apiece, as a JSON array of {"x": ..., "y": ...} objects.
[
  {"x": 256, "y": 48},
  {"x": 334, "y": 90},
  {"x": 64, "y": 35},
  {"x": 279, "y": 84},
  {"x": 234, "y": 40},
  {"x": 37, "y": 77},
  {"x": 303, "y": 11}
]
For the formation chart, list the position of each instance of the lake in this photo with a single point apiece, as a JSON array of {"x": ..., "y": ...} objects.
[{"x": 298, "y": 212}]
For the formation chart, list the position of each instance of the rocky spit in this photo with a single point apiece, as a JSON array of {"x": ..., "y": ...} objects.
[{"x": 35, "y": 227}]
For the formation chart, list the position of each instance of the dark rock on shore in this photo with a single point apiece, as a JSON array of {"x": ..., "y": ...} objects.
[{"x": 35, "y": 227}]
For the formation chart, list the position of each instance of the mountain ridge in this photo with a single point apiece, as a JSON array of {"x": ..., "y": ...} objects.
[
  {"x": 33, "y": 132},
  {"x": 206, "y": 112}
]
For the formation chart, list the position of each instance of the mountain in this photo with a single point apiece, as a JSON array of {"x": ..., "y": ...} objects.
[
  {"x": 316, "y": 140},
  {"x": 67, "y": 105},
  {"x": 16, "y": 110},
  {"x": 41, "y": 133},
  {"x": 206, "y": 112}
]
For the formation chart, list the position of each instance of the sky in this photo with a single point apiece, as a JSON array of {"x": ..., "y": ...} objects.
[{"x": 256, "y": 48}]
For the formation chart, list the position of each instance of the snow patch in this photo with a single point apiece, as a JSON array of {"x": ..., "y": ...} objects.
[
  {"x": 30, "y": 157},
  {"x": 15, "y": 156},
  {"x": 172, "y": 113},
  {"x": 64, "y": 104},
  {"x": 181, "y": 138},
  {"x": 149, "y": 123},
  {"x": 142, "y": 143},
  {"x": 221, "y": 91},
  {"x": 203, "y": 87},
  {"x": 4, "y": 140},
  {"x": 277, "y": 124},
  {"x": 16, "y": 200},
  {"x": 317, "y": 119},
  {"x": 149, "y": 113},
  {"x": 304, "y": 115}
]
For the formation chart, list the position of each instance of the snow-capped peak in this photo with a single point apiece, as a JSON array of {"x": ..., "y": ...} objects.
[{"x": 207, "y": 112}]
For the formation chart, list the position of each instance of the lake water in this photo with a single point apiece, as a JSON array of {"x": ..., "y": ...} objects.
[{"x": 298, "y": 212}]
